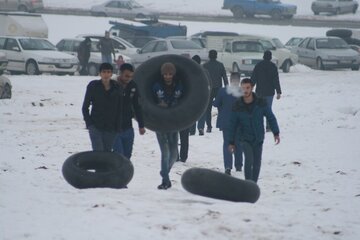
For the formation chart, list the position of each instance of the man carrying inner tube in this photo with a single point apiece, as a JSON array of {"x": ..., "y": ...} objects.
[{"x": 167, "y": 92}]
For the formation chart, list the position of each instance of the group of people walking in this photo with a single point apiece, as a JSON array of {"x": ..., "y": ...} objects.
[{"x": 241, "y": 113}]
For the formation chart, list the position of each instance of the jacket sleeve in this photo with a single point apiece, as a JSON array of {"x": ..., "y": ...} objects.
[
  {"x": 86, "y": 105},
  {"x": 254, "y": 76},
  {"x": 138, "y": 109},
  {"x": 276, "y": 81},
  {"x": 224, "y": 76},
  {"x": 270, "y": 117},
  {"x": 218, "y": 99},
  {"x": 232, "y": 128}
]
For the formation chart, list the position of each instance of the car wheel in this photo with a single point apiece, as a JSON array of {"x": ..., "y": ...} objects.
[
  {"x": 102, "y": 14},
  {"x": 22, "y": 8},
  {"x": 337, "y": 11},
  {"x": 316, "y": 13},
  {"x": 235, "y": 68},
  {"x": 288, "y": 16},
  {"x": 276, "y": 14},
  {"x": 286, "y": 66},
  {"x": 32, "y": 68},
  {"x": 354, "y": 9},
  {"x": 238, "y": 12},
  {"x": 319, "y": 64},
  {"x": 355, "y": 68},
  {"x": 93, "y": 69},
  {"x": 6, "y": 92},
  {"x": 140, "y": 15},
  {"x": 249, "y": 15}
]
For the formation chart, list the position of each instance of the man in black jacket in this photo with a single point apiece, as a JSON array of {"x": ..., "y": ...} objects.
[
  {"x": 266, "y": 78},
  {"x": 129, "y": 107},
  {"x": 83, "y": 54},
  {"x": 104, "y": 96}
]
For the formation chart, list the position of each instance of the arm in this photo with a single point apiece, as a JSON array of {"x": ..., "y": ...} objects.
[
  {"x": 232, "y": 131},
  {"x": 254, "y": 76},
  {"x": 138, "y": 112},
  {"x": 277, "y": 83},
  {"x": 218, "y": 101},
  {"x": 224, "y": 76},
  {"x": 86, "y": 105},
  {"x": 270, "y": 117}
]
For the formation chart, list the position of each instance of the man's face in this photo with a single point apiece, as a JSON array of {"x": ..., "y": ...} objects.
[
  {"x": 106, "y": 74},
  {"x": 247, "y": 89},
  {"x": 168, "y": 78},
  {"x": 126, "y": 76}
]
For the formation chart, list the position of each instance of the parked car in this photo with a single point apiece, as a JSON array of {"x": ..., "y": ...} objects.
[
  {"x": 200, "y": 37},
  {"x": 35, "y": 56},
  {"x": 139, "y": 41},
  {"x": 5, "y": 87},
  {"x": 334, "y": 6},
  {"x": 121, "y": 46},
  {"x": 293, "y": 42},
  {"x": 71, "y": 45},
  {"x": 285, "y": 57},
  {"x": 327, "y": 53},
  {"x": 249, "y": 8},
  {"x": 21, "y": 5},
  {"x": 168, "y": 46},
  {"x": 123, "y": 9},
  {"x": 3, "y": 62}
]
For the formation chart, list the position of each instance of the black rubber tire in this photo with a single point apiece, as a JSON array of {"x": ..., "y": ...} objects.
[
  {"x": 352, "y": 41},
  {"x": 213, "y": 184},
  {"x": 276, "y": 14},
  {"x": 341, "y": 33},
  {"x": 286, "y": 66},
  {"x": 355, "y": 68},
  {"x": 22, "y": 8},
  {"x": 6, "y": 94},
  {"x": 31, "y": 68},
  {"x": 191, "y": 106},
  {"x": 109, "y": 170},
  {"x": 238, "y": 12}
]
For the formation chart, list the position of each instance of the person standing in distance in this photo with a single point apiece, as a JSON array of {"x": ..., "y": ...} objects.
[
  {"x": 104, "y": 97},
  {"x": 218, "y": 75},
  {"x": 247, "y": 123},
  {"x": 266, "y": 79},
  {"x": 106, "y": 48},
  {"x": 83, "y": 54},
  {"x": 129, "y": 108}
]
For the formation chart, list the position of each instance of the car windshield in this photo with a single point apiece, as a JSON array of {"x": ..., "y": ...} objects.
[
  {"x": 240, "y": 46},
  {"x": 36, "y": 44},
  {"x": 184, "y": 44},
  {"x": 123, "y": 41},
  {"x": 278, "y": 43},
  {"x": 331, "y": 43},
  {"x": 294, "y": 41},
  {"x": 134, "y": 4}
]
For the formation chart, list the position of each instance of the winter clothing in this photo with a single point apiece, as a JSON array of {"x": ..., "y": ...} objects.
[
  {"x": 266, "y": 78},
  {"x": 167, "y": 94},
  {"x": 101, "y": 140},
  {"x": 106, "y": 48},
  {"x": 83, "y": 54},
  {"x": 123, "y": 143},
  {"x": 184, "y": 144}
]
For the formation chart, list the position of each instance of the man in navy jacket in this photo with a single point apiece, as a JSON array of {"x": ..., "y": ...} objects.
[{"x": 247, "y": 123}]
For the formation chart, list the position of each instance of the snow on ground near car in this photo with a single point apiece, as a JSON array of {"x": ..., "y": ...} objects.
[
  {"x": 204, "y": 7},
  {"x": 310, "y": 183}
]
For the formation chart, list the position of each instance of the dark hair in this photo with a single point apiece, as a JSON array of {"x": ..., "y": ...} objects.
[
  {"x": 267, "y": 55},
  {"x": 106, "y": 66},
  {"x": 247, "y": 80},
  {"x": 212, "y": 54},
  {"x": 196, "y": 58},
  {"x": 127, "y": 66}
]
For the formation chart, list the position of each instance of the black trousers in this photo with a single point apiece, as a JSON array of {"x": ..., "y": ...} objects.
[{"x": 184, "y": 144}]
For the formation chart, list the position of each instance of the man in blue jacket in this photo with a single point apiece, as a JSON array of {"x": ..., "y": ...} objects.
[
  {"x": 247, "y": 122},
  {"x": 224, "y": 102}
]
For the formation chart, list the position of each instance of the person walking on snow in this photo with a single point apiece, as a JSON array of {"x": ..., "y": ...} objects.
[{"x": 247, "y": 124}]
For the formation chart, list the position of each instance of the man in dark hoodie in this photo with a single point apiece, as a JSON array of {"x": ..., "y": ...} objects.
[
  {"x": 129, "y": 108},
  {"x": 247, "y": 123},
  {"x": 106, "y": 48},
  {"x": 104, "y": 97},
  {"x": 266, "y": 79},
  {"x": 83, "y": 54},
  {"x": 218, "y": 75}
]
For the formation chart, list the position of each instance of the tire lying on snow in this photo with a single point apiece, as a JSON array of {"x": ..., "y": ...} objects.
[
  {"x": 213, "y": 184},
  {"x": 97, "y": 170},
  {"x": 192, "y": 104},
  {"x": 341, "y": 33}
]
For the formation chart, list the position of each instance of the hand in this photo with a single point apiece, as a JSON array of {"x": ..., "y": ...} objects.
[
  {"x": 142, "y": 131},
  {"x": 231, "y": 148},
  {"x": 277, "y": 139},
  {"x": 278, "y": 96}
]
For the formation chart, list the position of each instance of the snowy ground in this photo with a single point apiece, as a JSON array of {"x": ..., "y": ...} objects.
[{"x": 206, "y": 7}]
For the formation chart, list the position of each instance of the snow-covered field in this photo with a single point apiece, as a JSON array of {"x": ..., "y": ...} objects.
[
  {"x": 202, "y": 7},
  {"x": 310, "y": 183}
]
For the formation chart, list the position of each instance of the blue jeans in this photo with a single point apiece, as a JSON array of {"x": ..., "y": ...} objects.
[
  {"x": 168, "y": 143},
  {"x": 124, "y": 142},
  {"x": 207, "y": 117},
  {"x": 252, "y": 154},
  {"x": 101, "y": 141},
  {"x": 106, "y": 58},
  {"x": 228, "y": 156}
]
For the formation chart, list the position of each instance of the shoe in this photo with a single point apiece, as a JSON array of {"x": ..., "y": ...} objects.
[
  {"x": 238, "y": 169},
  {"x": 182, "y": 160},
  {"x": 228, "y": 171},
  {"x": 208, "y": 130},
  {"x": 201, "y": 132},
  {"x": 164, "y": 185}
]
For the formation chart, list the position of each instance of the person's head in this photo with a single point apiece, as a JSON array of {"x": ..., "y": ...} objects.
[
  {"x": 212, "y": 54},
  {"x": 247, "y": 87},
  {"x": 107, "y": 34},
  {"x": 106, "y": 71},
  {"x": 87, "y": 40},
  {"x": 168, "y": 72},
  {"x": 235, "y": 79},
  {"x": 197, "y": 59},
  {"x": 126, "y": 73},
  {"x": 267, "y": 55}
]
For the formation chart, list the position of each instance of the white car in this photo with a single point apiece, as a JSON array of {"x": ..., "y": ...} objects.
[
  {"x": 168, "y": 46},
  {"x": 36, "y": 55},
  {"x": 121, "y": 46},
  {"x": 334, "y": 6},
  {"x": 285, "y": 57},
  {"x": 3, "y": 62}
]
